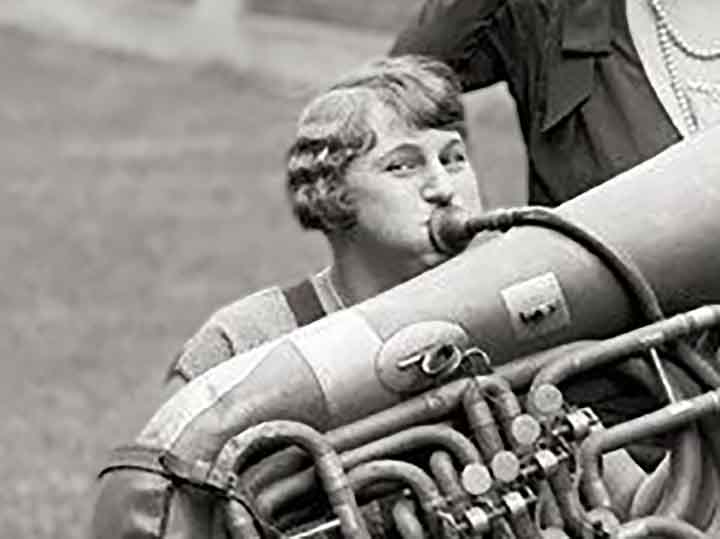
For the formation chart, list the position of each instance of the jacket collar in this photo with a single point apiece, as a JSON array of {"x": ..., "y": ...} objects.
[
  {"x": 586, "y": 26},
  {"x": 586, "y": 34}
]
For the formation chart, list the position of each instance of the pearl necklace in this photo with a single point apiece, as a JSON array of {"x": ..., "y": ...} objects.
[
  {"x": 712, "y": 90},
  {"x": 669, "y": 37}
]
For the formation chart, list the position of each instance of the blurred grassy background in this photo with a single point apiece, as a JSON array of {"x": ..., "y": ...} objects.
[
  {"x": 136, "y": 197},
  {"x": 372, "y": 14}
]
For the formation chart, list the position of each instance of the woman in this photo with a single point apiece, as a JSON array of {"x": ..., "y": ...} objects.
[
  {"x": 373, "y": 157},
  {"x": 599, "y": 85}
]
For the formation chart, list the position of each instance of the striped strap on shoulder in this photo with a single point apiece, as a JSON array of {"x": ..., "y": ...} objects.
[{"x": 304, "y": 302}]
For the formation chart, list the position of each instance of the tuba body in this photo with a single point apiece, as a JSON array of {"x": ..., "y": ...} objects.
[{"x": 439, "y": 408}]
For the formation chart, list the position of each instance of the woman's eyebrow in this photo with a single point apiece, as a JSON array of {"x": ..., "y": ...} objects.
[
  {"x": 404, "y": 147},
  {"x": 453, "y": 142}
]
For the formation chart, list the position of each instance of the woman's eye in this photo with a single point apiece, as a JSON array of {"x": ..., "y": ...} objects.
[
  {"x": 455, "y": 159},
  {"x": 401, "y": 167}
]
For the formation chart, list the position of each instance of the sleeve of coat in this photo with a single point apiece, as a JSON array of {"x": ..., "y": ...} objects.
[{"x": 457, "y": 32}]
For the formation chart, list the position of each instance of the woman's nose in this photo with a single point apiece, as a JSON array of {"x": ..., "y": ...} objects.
[{"x": 438, "y": 187}]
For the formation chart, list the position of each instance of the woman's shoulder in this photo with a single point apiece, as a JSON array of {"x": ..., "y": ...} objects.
[
  {"x": 480, "y": 39},
  {"x": 233, "y": 329},
  {"x": 254, "y": 319}
]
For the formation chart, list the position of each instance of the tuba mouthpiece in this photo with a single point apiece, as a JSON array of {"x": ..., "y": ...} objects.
[{"x": 449, "y": 230}]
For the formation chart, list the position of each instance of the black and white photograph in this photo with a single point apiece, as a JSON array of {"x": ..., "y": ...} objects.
[{"x": 392, "y": 269}]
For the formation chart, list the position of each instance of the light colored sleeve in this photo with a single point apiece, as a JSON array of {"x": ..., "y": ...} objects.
[{"x": 234, "y": 329}]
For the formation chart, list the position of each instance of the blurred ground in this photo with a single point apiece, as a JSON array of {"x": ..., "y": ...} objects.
[{"x": 137, "y": 196}]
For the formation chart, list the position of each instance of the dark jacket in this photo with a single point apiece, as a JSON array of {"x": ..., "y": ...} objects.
[{"x": 586, "y": 108}]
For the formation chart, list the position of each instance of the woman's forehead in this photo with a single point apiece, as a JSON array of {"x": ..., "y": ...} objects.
[{"x": 391, "y": 129}]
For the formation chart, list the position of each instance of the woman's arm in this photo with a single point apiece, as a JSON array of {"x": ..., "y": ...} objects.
[{"x": 458, "y": 33}]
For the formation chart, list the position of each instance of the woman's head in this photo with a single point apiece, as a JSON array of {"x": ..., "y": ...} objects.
[{"x": 376, "y": 152}]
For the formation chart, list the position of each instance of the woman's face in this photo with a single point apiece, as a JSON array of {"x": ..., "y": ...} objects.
[{"x": 397, "y": 185}]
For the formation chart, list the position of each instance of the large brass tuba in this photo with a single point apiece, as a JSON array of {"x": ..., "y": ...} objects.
[{"x": 436, "y": 409}]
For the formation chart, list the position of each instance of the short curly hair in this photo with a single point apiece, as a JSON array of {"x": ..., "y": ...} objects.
[{"x": 333, "y": 130}]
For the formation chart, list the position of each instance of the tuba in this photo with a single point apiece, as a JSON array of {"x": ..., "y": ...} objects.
[{"x": 441, "y": 407}]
